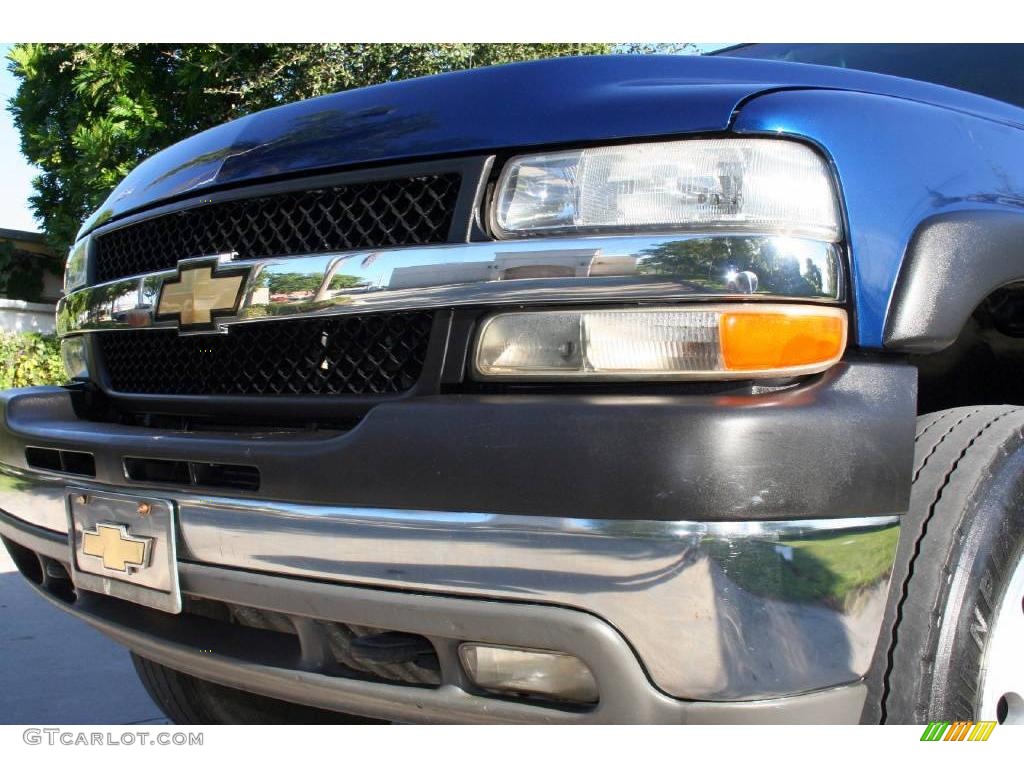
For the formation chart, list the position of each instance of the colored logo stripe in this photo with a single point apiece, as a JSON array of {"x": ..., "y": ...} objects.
[
  {"x": 982, "y": 730},
  {"x": 961, "y": 730},
  {"x": 958, "y": 731}
]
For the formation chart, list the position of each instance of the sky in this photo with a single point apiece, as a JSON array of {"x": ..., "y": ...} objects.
[{"x": 15, "y": 172}]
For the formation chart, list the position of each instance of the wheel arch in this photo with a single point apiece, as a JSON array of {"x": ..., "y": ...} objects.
[{"x": 933, "y": 299}]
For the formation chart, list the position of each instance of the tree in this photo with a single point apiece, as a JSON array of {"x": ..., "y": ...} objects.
[
  {"x": 707, "y": 261},
  {"x": 298, "y": 282},
  {"x": 90, "y": 113}
]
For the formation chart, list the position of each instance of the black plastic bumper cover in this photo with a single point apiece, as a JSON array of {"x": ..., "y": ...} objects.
[{"x": 839, "y": 446}]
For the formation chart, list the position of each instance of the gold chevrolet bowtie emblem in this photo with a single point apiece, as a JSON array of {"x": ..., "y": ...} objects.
[
  {"x": 199, "y": 294},
  {"x": 119, "y": 549}
]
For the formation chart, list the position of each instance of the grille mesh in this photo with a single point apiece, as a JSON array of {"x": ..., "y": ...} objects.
[
  {"x": 393, "y": 212},
  {"x": 358, "y": 355}
]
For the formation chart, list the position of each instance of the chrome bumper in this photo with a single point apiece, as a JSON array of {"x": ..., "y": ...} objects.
[
  {"x": 715, "y": 611},
  {"x": 294, "y": 667}
]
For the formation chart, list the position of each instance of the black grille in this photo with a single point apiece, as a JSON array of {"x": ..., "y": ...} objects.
[
  {"x": 357, "y": 355},
  {"x": 393, "y": 212}
]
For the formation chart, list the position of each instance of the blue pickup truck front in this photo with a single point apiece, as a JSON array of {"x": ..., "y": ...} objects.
[{"x": 425, "y": 404}]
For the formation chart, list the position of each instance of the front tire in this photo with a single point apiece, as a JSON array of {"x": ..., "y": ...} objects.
[
  {"x": 961, "y": 545},
  {"x": 188, "y": 700}
]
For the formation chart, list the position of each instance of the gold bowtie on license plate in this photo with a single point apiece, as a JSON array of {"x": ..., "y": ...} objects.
[
  {"x": 124, "y": 546},
  {"x": 116, "y": 547}
]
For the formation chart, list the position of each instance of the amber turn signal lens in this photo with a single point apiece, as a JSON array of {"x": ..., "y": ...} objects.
[{"x": 782, "y": 338}]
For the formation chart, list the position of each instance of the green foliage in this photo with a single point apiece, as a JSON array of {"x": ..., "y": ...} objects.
[
  {"x": 705, "y": 262},
  {"x": 21, "y": 272},
  {"x": 831, "y": 567},
  {"x": 659, "y": 48},
  {"x": 89, "y": 113},
  {"x": 29, "y": 359},
  {"x": 297, "y": 282}
]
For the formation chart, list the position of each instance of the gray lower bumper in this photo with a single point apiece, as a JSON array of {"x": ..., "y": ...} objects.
[
  {"x": 725, "y": 612},
  {"x": 183, "y": 642}
]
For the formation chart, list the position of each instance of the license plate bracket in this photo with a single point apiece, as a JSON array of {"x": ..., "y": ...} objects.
[{"x": 124, "y": 546}]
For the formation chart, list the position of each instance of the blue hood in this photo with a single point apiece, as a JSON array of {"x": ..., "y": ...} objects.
[{"x": 508, "y": 107}]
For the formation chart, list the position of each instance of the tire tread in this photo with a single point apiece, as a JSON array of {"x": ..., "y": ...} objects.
[{"x": 954, "y": 451}]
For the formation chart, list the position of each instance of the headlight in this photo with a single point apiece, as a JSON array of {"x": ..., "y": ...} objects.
[
  {"x": 739, "y": 341},
  {"x": 76, "y": 268},
  {"x": 768, "y": 186}
]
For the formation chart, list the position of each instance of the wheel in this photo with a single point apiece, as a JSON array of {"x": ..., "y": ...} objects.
[
  {"x": 950, "y": 649},
  {"x": 187, "y": 700}
]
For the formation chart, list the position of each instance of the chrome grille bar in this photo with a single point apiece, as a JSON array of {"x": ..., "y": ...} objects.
[{"x": 537, "y": 271}]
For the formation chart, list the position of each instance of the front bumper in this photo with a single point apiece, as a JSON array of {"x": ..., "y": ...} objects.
[
  {"x": 229, "y": 655},
  {"x": 698, "y": 602}
]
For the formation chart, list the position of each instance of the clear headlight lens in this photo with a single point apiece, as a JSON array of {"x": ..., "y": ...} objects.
[
  {"x": 701, "y": 342},
  {"x": 76, "y": 268},
  {"x": 769, "y": 186}
]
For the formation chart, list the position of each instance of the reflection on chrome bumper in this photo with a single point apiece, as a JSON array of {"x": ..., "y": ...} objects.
[
  {"x": 34, "y": 498},
  {"x": 545, "y": 271},
  {"x": 716, "y": 611}
]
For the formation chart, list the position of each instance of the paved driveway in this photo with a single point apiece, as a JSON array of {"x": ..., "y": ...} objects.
[{"x": 56, "y": 670}]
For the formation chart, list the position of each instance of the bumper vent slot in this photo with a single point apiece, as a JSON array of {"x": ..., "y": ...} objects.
[
  {"x": 225, "y": 476},
  {"x": 68, "y": 462},
  {"x": 376, "y": 354},
  {"x": 365, "y": 653},
  {"x": 407, "y": 658},
  {"x": 416, "y": 210},
  {"x": 192, "y": 473}
]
